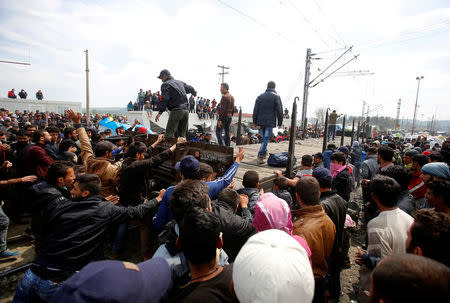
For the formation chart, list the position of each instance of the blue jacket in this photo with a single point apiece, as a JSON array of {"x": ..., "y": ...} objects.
[
  {"x": 326, "y": 158},
  {"x": 164, "y": 213},
  {"x": 268, "y": 109}
]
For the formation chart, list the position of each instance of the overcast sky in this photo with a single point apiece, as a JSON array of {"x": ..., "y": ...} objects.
[{"x": 130, "y": 41}]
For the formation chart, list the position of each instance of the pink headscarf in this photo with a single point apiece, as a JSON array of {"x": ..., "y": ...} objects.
[{"x": 272, "y": 212}]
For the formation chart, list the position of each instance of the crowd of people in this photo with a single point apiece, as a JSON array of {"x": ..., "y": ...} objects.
[
  {"x": 218, "y": 244},
  {"x": 148, "y": 101},
  {"x": 23, "y": 94}
]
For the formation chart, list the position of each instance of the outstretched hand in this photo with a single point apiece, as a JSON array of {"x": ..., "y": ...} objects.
[
  {"x": 160, "y": 196},
  {"x": 74, "y": 117}
]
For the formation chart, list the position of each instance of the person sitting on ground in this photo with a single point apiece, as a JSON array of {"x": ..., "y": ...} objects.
[
  {"x": 342, "y": 179},
  {"x": 409, "y": 278},
  {"x": 438, "y": 195},
  {"x": 250, "y": 181},
  {"x": 336, "y": 208},
  {"x": 280, "y": 189},
  {"x": 72, "y": 237},
  {"x": 116, "y": 281},
  {"x": 187, "y": 195},
  {"x": 271, "y": 213},
  {"x": 388, "y": 231},
  {"x": 189, "y": 168},
  {"x": 200, "y": 239},
  {"x": 430, "y": 230},
  {"x": 273, "y": 267},
  {"x": 313, "y": 224},
  {"x": 318, "y": 160},
  {"x": 403, "y": 176},
  {"x": 236, "y": 229}
]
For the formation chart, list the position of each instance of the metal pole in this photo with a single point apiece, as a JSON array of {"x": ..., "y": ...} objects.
[
  {"x": 325, "y": 132},
  {"x": 88, "y": 110},
  {"x": 239, "y": 132},
  {"x": 315, "y": 129},
  {"x": 358, "y": 131},
  {"x": 353, "y": 131},
  {"x": 415, "y": 107},
  {"x": 306, "y": 87},
  {"x": 290, "y": 161},
  {"x": 343, "y": 131}
]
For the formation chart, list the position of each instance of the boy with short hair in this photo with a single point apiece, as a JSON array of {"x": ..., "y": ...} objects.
[
  {"x": 280, "y": 189},
  {"x": 250, "y": 182}
]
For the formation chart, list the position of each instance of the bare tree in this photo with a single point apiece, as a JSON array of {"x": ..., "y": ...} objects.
[{"x": 320, "y": 114}]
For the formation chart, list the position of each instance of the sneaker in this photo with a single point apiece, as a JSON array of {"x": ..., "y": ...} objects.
[
  {"x": 8, "y": 254},
  {"x": 261, "y": 159}
]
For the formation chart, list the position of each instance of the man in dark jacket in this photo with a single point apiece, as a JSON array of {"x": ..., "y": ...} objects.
[
  {"x": 236, "y": 229},
  {"x": 135, "y": 186},
  {"x": 174, "y": 99},
  {"x": 226, "y": 109},
  {"x": 336, "y": 209},
  {"x": 23, "y": 94},
  {"x": 268, "y": 109},
  {"x": 72, "y": 237}
]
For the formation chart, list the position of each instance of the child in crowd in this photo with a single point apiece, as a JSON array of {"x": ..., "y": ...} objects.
[
  {"x": 251, "y": 185},
  {"x": 280, "y": 189}
]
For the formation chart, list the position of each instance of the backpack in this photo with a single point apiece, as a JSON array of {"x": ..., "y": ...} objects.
[{"x": 279, "y": 160}]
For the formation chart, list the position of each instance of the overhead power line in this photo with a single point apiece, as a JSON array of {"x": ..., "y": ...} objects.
[{"x": 254, "y": 20}]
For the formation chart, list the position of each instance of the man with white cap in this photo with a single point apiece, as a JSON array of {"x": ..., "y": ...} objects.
[{"x": 273, "y": 267}]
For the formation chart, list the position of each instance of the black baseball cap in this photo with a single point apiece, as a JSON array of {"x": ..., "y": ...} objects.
[{"x": 163, "y": 72}]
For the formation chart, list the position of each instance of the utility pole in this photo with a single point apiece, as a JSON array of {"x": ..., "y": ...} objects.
[
  {"x": 364, "y": 107},
  {"x": 88, "y": 110},
  {"x": 306, "y": 87},
  {"x": 397, "y": 125},
  {"x": 223, "y": 73},
  {"x": 415, "y": 107}
]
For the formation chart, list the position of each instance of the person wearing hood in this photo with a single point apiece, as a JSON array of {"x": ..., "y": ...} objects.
[
  {"x": 39, "y": 95},
  {"x": 272, "y": 212},
  {"x": 175, "y": 100},
  {"x": 342, "y": 179},
  {"x": 355, "y": 160}
]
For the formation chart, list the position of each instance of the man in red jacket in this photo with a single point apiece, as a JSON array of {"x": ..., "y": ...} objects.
[{"x": 36, "y": 160}]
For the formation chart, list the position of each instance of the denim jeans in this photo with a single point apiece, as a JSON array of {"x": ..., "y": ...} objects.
[
  {"x": 226, "y": 122},
  {"x": 331, "y": 131},
  {"x": 4, "y": 221},
  {"x": 119, "y": 239},
  {"x": 32, "y": 288},
  {"x": 266, "y": 133}
]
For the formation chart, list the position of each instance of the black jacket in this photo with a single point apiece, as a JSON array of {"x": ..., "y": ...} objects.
[
  {"x": 134, "y": 178},
  {"x": 236, "y": 229},
  {"x": 174, "y": 96},
  {"x": 342, "y": 184},
  {"x": 73, "y": 234},
  {"x": 336, "y": 209},
  {"x": 268, "y": 109},
  {"x": 44, "y": 199},
  {"x": 406, "y": 202},
  {"x": 253, "y": 196}
]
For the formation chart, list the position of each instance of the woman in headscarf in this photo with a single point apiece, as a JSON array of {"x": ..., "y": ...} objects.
[{"x": 272, "y": 212}]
